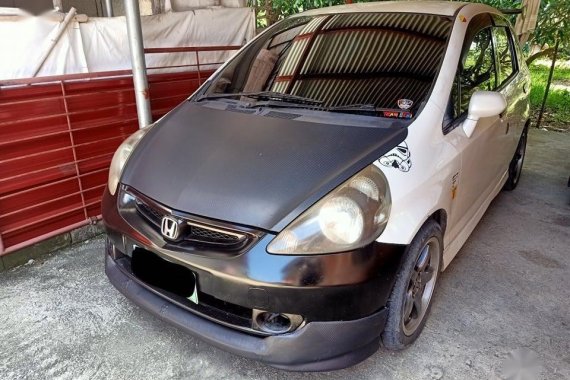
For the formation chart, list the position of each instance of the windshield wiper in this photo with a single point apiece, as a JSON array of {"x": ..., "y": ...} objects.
[{"x": 268, "y": 95}]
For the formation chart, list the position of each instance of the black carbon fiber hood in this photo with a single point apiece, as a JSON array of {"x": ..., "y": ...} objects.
[{"x": 252, "y": 170}]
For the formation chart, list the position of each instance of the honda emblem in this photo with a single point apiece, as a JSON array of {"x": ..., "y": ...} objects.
[{"x": 170, "y": 228}]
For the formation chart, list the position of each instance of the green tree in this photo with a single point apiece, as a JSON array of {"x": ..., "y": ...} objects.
[
  {"x": 271, "y": 11},
  {"x": 553, "y": 23}
]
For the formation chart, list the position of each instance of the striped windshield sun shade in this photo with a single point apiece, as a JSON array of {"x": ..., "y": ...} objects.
[{"x": 370, "y": 58}]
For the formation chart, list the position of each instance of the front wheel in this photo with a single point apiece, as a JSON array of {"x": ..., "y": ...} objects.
[
  {"x": 515, "y": 167},
  {"x": 410, "y": 301}
]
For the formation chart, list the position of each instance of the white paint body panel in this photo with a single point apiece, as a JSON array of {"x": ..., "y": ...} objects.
[{"x": 479, "y": 163}]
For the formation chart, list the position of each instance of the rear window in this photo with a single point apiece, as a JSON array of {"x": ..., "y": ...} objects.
[{"x": 388, "y": 60}]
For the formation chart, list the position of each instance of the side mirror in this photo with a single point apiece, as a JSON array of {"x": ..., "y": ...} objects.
[{"x": 483, "y": 104}]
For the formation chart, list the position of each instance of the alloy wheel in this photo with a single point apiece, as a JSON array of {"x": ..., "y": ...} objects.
[{"x": 421, "y": 286}]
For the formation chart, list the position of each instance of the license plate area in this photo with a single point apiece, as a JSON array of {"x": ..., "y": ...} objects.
[{"x": 162, "y": 274}]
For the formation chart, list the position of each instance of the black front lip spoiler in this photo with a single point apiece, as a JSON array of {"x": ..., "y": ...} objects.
[{"x": 317, "y": 346}]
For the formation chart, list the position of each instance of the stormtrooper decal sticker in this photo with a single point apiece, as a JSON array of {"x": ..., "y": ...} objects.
[{"x": 398, "y": 158}]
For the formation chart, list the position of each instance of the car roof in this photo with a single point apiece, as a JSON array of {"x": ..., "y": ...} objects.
[{"x": 443, "y": 8}]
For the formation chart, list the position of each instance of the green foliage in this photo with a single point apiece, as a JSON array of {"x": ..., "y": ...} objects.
[
  {"x": 270, "y": 11},
  {"x": 289, "y": 7},
  {"x": 558, "y": 102},
  {"x": 553, "y": 21}
]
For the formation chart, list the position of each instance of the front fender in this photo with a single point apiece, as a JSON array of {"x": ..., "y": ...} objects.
[
  {"x": 410, "y": 213},
  {"x": 425, "y": 185}
]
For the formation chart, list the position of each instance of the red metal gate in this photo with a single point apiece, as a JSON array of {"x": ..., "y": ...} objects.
[{"x": 58, "y": 137}]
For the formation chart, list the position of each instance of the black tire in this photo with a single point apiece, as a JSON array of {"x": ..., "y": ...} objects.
[
  {"x": 516, "y": 165},
  {"x": 395, "y": 336}
]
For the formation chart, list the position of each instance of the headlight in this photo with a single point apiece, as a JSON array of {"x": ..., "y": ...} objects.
[
  {"x": 121, "y": 156},
  {"x": 351, "y": 216}
]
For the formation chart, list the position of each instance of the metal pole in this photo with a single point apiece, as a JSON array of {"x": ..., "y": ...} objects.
[
  {"x": 109, "y": 8},
  {"x": 51, "y": 43},
  {"x": 138, "y": 62},
  {"x": 547, "y": 89}
]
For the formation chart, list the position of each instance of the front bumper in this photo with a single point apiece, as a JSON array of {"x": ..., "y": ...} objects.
[
  {"x": 341, "y": 297},
  {"x": 317, "y": 346}
]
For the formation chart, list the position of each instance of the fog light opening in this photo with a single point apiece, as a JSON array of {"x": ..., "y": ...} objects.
[{"x": 273, "y": 322}]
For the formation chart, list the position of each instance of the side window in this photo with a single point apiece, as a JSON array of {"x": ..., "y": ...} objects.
[
  {"x": 503, "y": 49},
  {"x": 476, "y": 69}
]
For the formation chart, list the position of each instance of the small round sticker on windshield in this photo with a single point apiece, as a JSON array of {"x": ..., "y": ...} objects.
[{"x": 405, "y": 104}]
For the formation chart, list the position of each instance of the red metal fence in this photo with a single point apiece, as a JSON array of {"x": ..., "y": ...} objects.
[{"x": 58, "y": 137}]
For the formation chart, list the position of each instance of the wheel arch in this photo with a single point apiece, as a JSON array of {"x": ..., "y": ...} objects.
[
  {"x": 440, "y": 216},
  {"x": 405, "y": 225}
]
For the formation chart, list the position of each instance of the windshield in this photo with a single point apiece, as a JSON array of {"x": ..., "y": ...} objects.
[{"x": 384, "y": 62}]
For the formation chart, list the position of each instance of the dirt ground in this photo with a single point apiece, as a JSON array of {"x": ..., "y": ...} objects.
[{"x": 505, "y": 292}]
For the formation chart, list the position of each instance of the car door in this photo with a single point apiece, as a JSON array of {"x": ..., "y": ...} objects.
[
  {"x": 513, "y": 85},
  {"x": 481, "y": 155}
]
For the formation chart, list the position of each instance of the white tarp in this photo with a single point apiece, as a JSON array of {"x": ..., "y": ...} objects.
[
  {"x": 101, "y": 44},
  {"x": 22, "y": 43}
]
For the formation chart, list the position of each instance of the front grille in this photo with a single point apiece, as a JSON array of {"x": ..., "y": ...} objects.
[
  {"x": 152, "y": 215},
  {"x": 195, "y": 233},
  {"x": 206, "y": 234}
]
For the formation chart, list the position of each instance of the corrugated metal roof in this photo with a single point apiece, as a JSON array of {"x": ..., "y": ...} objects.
[{"x": 374, "y": 58}]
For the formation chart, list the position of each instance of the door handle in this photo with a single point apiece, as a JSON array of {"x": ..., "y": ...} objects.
[
  {"x": 508, "y": 127},
  {"x": 525, "y": 87}
]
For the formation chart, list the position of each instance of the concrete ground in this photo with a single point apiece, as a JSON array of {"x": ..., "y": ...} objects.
[{"x": 507, "y": 290}]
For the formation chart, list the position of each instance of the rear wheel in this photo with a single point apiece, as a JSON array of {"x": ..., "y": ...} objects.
[
  {"x": 515, "y": 167},
  {"x": 410, "y": 301}
]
